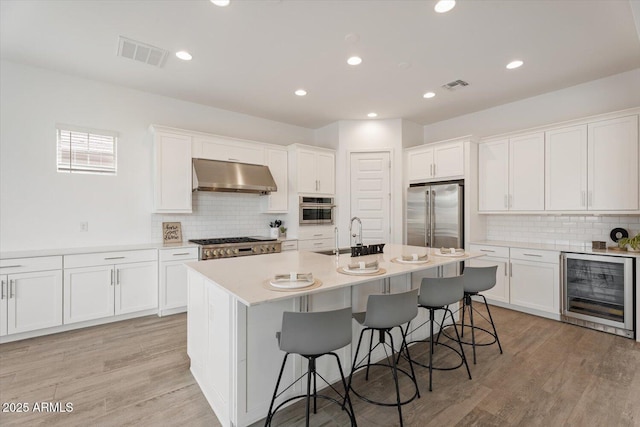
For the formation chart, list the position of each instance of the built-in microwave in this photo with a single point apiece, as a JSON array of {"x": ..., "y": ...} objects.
[{"x": 316, "y": 210}]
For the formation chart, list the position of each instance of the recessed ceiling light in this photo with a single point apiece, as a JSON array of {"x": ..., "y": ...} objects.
[
  {"x": 372, "y": 115},
  {"x": 429, "y": 95},
  {"x": 184, "y": 55},
  {"x": 354, "y": 60},
  {"x": 221, "y": 3},
  {"x": 300, "y": 92},
  {"x": 514, "y": 64},
  {"x": 444, "y": 6}
]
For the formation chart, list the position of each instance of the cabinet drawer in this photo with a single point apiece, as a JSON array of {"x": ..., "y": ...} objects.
[
  {"x": 494, "y": 251},
  {"x": 25, "y": 265},
  {"x": 289, "y": 245},
  {"x": 316, "y": 244},
  {"x": 316, "y": 232},
  {"x": 108, "y": 258},
  {"x": 177, "y": 254},
  {"x": 535, "y": 255}
]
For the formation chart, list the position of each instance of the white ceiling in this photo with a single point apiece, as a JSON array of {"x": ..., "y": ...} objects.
[{"x": 251, "y": 56}]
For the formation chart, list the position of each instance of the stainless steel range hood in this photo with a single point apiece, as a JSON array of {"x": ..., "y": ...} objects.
[{"x": 216, "y": 175}]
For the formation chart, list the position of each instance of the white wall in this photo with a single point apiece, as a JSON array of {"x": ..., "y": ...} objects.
[
  {"x": 42, "y": 209},
  {"x": 369, "y": 135},
  {"x": 605, "y": 95}
]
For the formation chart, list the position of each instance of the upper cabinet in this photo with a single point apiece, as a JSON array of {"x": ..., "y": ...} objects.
[
  {"x": 277, "y": 162},
  {"x": 172, "y": 172},
  {"x": 316, "y": 173},
  {"x": 228, "y": 150},
  {"x": 436, "y": 162},
  {"x": 511, "y": 174},
  {"x": 593, "y": 167}
]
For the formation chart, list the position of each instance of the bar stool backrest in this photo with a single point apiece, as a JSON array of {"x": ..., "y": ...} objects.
[
  {"x": 391, "y": 310},
  {"x": 478, "y": 279},
  {"x": 315, "y": 333},
  {"x": 438, "y": 292}
]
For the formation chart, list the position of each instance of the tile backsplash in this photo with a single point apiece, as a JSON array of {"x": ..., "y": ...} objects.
[
  {"x": 558, "y": 229},
  {"x": 220, "y": 215}
]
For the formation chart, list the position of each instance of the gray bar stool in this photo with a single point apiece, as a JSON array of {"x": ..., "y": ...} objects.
[
  {"x": 437, "y": 294},
  {"x": 476, "y": 280},
  {"x": 312, "y": 335},
  {"x": 384, "y": 313}
]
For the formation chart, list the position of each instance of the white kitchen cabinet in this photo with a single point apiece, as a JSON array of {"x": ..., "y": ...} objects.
[
  {"x": 228, "y": 149},
  {"x": 289, "y": 245},
  {"x": 30, "y": 294},
  {"x": 613, "y": 164},
  {"x": 172, "y": 172},
  {"x": 276, "y": 160},
  {"x": 112, "y": 283},
  {"x": 586, "y": 166},
  {"x": 511, "y": 174},
  {"x": 315, "y": 171},
  {"x": 526, "y": 280},
  {"x": 316, "y": 238},
  {"x": 436, "y": 161},
  {"x": 173, "y": 279}
]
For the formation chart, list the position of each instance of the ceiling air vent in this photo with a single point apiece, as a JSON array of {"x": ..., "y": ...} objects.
[
  {"x": 141, "y": 52},
  {"x": 456, "y": 84}
]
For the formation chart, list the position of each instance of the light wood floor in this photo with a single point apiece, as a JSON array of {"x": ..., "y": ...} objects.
[{"x": 136, "y": 372}]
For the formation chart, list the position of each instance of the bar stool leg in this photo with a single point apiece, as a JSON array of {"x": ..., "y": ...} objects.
[
  {"x": 275, "y": 392},
  {"x": 473, "y": 329},
  {"x": 492, "y": 324},
  {"x": 406, "y": 347},
  {"x": 355, "y": 359},
  {"x": 315, "y": 388},
  {"x": 366, "y": 377},
  {"x": 464, "y": 307},
  {"x": 312, "y": 363},
  {"x": 455, "y": 328},
  {"x": 347, "y": 399},
  {"x": 395, "y": 379}
]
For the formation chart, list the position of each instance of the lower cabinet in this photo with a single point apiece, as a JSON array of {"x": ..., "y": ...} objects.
[
  {"x": 527, "y": 280},
  {"x": 173, "y": 279},
  {"x": 127, "y": 282}
]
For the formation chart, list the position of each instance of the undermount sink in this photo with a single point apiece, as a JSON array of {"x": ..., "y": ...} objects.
[{"x": 332, "y": 251}]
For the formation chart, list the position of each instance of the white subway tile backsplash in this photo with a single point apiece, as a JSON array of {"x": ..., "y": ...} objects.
[{"x": 558, "y": 229}]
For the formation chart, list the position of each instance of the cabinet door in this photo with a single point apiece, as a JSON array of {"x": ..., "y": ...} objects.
[
  {"x": 500, "y": 292},
  {"x": 535, "y": 285},
  {"x": 566, "y": 169},
  {"x": 4, "y": 298},
  {"x": 326, "y": 173},
  {"x": 613, "y": 164},
  {"x": 136, "y": 287},
  {"x": 88, "y": 293},
  {"x": 526, "y": 173},
  {"x": 307, "y": 174},
  {"x": 449, "y": 160},
  {"x": 173, "y": 173},
  {"x": 34, "y": 301},
  {"x": 493, "y": 175},
  {"x": 229, "y": 150},
  {"x": 420, "y": 165},
  {"x": 277, "y": 162},
  {"x": 173, "y": 285}
]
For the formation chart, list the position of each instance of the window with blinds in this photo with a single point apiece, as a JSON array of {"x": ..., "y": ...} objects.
[{"x": 86, "y": 151}]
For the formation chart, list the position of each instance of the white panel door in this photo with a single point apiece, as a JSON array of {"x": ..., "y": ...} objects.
[
  {"x": 173, "y": 173},
  {"x": 307, "y": 174},
  {"x": 34, "y": 301},
  {"x": 566, "y": 169},
  {"x": 493, "y": 175},
  {"x": 371, "y": 196},
  {"x": 535, "y": 285},
  {"x": 526, "y": 173},
  {"x": 88, "y": 293},
  {"x": 326, "y": 173},
  {"x": 173, "y": 284},
  {"x": 613, "y": 164},
  {"x": 136, "y": 287},
  {"x": 449, "y": 160}
]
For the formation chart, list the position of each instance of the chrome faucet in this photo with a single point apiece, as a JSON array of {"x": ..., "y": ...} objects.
[{"x": 358, "y": 240}]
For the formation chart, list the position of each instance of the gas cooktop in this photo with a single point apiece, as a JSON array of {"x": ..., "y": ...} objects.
[
  {"x": 226, "y": 247},
  {"x": 226, "y": 240}
]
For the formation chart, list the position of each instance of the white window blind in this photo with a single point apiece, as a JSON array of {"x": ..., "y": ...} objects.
[{"x": 86, "y": 151}]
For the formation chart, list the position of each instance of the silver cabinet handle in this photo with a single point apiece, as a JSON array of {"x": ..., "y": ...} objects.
[
  {"x": 2, "y": 292},
  {"x": 434, "y": 169},
  {"x": 112, "y": 277},
  {"x": 506, "y": 268},
  {"x": 590, "y": 198},
  {"x": 536, "y": 255},
  {"x": 318, "y": 243},
  {"x": 232, "y": 159},
  {"x": 486, "y": 250},
  {"x": 11, "y": 266},
  {"x": 182, "y": 253},
  {"x": 317, "y": 235},
  {"x": 12, "y": 288},
  {"x": 115, "y": 257},
  {"x": 117, "y": 277},
  {"x": 582, "y": 196}
]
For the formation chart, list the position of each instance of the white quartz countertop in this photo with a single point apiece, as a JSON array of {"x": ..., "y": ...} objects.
[
  {"x": 93, "y": 249},
  {"x": 245, "y": 277},
  {"x": 583, "y": 249}
]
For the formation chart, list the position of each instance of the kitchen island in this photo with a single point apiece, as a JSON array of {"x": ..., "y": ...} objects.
[{"x": 233, "y": 317}]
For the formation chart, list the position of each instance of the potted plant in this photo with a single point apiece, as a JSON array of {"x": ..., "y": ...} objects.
[
  {"x": 633, "y": 243},
  {"x": 275, "y": 228},
  {"x": 283, "y": 231}
]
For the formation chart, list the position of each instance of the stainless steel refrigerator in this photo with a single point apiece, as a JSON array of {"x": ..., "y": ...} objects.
[{"x": 435, "y": 215}]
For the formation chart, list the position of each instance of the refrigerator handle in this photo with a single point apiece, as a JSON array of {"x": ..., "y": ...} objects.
[
  {"x": 427, "y": 228},
  {"x": 432, "y": 215}
]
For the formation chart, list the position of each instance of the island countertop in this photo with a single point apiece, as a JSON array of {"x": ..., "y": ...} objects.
[{"x": 245, "y": 277}]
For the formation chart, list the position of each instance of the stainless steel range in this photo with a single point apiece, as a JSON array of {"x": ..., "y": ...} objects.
[{"x": 236, "y": 246}]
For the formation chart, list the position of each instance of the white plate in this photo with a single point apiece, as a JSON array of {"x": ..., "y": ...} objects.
[
  {"x": 456, "y": 255},
  {"x": 288, "y": 284},
  {"x": 361, "y": 270},
  {"x": 418, "y": 261}
]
